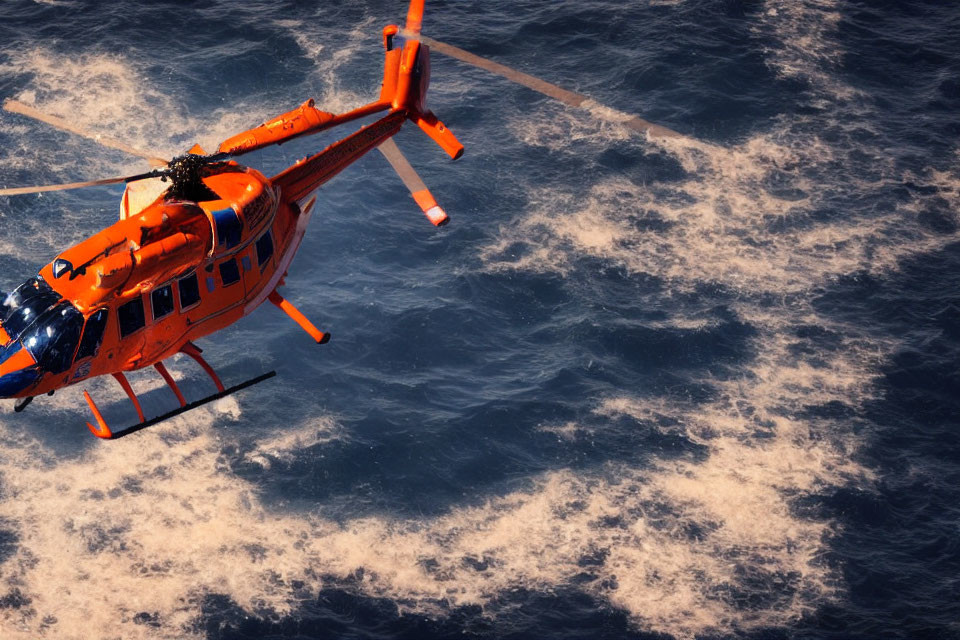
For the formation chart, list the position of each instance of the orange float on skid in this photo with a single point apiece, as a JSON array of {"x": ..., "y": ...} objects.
[{"x": 208, "y": 251}]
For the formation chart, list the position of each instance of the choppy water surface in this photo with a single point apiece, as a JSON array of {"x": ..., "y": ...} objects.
[{"x": 703, "y": 388}]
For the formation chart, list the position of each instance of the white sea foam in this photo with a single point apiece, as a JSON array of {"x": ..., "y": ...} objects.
[
  {"x": 158, "y": 525},
  {"x": 152, "y": 525},
  {"x": 718, "y": 220},
  {"x": 331, "y": 55},
  {"x": 285, "y": 445},
  {"x": 108, "y": 94},
  {"x": 560, "y": 129},
  {"x": 807, "y": 47}
]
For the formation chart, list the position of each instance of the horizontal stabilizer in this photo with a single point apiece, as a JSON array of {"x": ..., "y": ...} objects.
[{"x": 439, "y": 133}]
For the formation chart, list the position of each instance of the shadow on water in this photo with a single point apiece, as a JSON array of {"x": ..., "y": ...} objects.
[
  {"x": 338, "y": 611},
  {"x": 432, "y": 418}
]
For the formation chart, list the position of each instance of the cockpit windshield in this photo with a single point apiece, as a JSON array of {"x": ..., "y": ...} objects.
[
  {"x": 53, "y": 338},
  {"x": 24, "y": 304}
]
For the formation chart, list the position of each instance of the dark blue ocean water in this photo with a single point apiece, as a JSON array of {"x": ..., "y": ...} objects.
[{"x": 697, "y": 388}]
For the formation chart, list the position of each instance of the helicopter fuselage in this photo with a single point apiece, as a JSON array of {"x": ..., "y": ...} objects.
[
  {"x": 138, "y": 291},
  {"x": 143, "y": 287}
]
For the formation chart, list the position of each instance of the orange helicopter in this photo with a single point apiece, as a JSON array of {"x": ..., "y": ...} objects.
[
  {"x": 211, "y": 249},
  {"x": 218, "y": 242}
]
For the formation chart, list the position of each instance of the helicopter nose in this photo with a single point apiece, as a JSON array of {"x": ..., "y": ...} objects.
[{"x": 18, "y": 370}]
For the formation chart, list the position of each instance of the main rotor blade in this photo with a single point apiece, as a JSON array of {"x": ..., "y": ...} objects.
[
  {"x": 578, "y": 100},
  {"x": 16, "y": 191},
  {"x": 13, "y": 106}
]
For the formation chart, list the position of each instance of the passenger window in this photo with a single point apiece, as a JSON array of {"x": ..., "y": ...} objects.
[
  {"x": 162, "y": 301},
  {"x": 264, "y": 248},
  {"x": 189, "y": 291},
  {"x": 131, "y": 317},
  {"x": 229, "y": 273},
  {"x": 92, "y": 335}
]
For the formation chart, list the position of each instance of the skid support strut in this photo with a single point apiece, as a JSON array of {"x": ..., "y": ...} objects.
[
  {"x": 122, "y": 379},
  {"x": 194, "y": 352},
  {"x": 101, "y": 430},
  {"x": 162, "y": 370}
]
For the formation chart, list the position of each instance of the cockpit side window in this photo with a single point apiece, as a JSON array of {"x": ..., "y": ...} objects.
[
  {"x": 131, "y": 317},
  {"x": 92, "y": 335},
  {"x": 51, "y": 340},
  {"x": 24, "y": 304}
]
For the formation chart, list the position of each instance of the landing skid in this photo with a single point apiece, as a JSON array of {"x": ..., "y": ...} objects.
[{"x": 103, "y": 431}]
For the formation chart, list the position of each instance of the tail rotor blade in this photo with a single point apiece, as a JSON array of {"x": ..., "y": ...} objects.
[
  {"x": 636, "y": 123},
  {"x": 13, "y": 106},
  {"x": 415, "y": 16},
  {"x": 414, "y": 183}
]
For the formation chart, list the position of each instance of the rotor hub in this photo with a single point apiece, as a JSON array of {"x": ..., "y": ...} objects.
[{"x": 186, "y": 175}]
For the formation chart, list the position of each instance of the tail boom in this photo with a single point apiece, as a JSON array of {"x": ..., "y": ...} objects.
[
  {"x": 301, "y": 179},
  {"x": 406, "y": 79}
]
